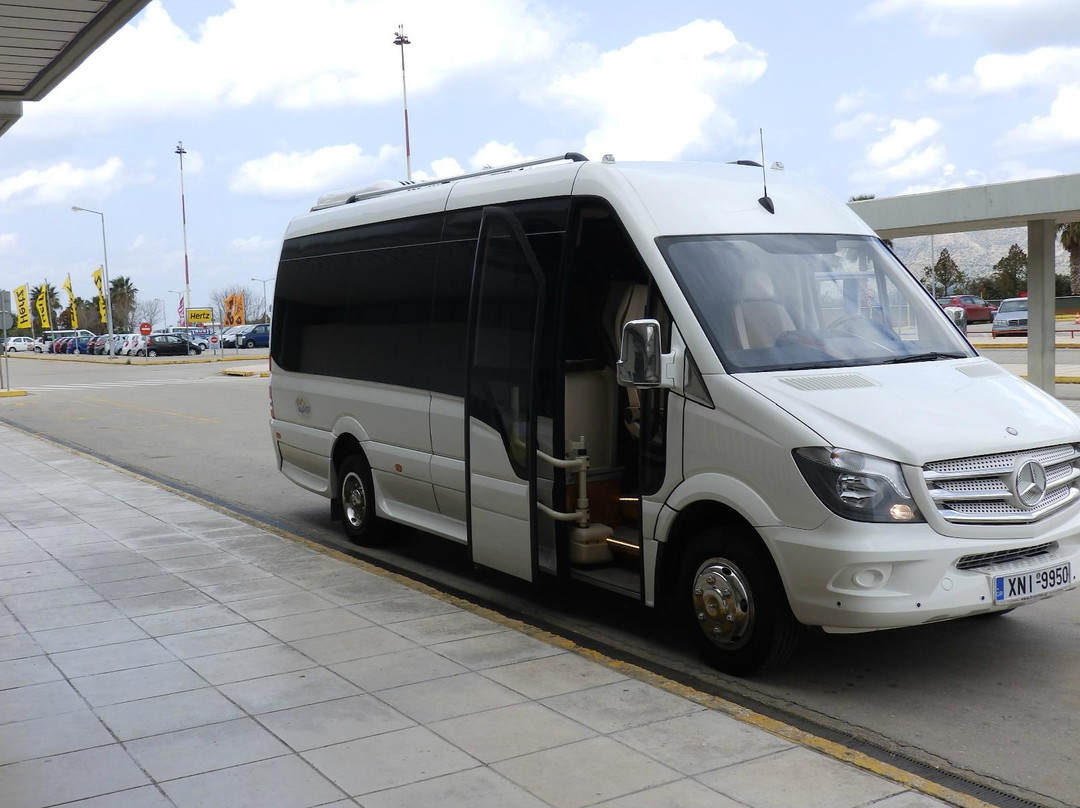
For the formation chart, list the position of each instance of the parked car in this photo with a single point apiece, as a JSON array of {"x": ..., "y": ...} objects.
[
  {"x": 198, "y": 336},
  {"x": 168, "y": 345},
  {"x": 58, "y": 346},
  {"x": 1011, "y": 318},
  {"x": 256, "y": 335},
  {"x": 19, "y": 344},
  {"x": 132, "y": 345},
  {"x": 975, "y": 308},
  {"x": 78, "y": 345}
]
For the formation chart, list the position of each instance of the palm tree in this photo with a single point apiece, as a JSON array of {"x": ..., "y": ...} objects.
[
  {"x": 122, "y": 292},
  {"x": 1070, "y": 240}
]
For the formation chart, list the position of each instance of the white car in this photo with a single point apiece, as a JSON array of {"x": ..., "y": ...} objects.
[{"x": 19, "y": 344}]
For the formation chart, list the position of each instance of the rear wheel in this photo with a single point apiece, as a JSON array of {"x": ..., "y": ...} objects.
[
  {"x": 249, "y": 344},
  {"x": 192, "y": 351},
  {"x": 356, "y": 493},
  {"x": 151, "y": 352},
  {"x": 733, "y": 603}
]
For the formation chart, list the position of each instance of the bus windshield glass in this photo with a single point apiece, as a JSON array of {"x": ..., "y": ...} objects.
[{"x": 796, "y": 301}]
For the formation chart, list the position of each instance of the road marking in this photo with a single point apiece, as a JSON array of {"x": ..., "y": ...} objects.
[
  {"x": 127, "y": 406},
  {"x": 46, "y": 388}
]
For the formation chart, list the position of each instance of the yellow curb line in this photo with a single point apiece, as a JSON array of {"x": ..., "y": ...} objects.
[
  {"x": 264, "y": 374},
  {"x": 773, "y": 726},
  {"x": 11, "y": 393}
]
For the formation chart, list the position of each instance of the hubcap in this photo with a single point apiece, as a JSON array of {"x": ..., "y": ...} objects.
[
  {"x": 354, "y": 500},
  {"x": 723, "y": 604}
]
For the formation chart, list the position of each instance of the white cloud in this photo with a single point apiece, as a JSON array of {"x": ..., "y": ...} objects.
[
  {"x": 849, "y": 102},
  {"x": 905, "y": 155},
  {"x": 861, "y": 125},
  {"x": 1013, "y": 23},
  {"x": 8, "y": 242},
  {"x": 329, "y": 53},
  {"x": 446, "y": 167},
  {"x": 901, "y": 140},
  {"x": 306, "y": 172},
  {"x": 658, "y": 97},
  {"x": 999, "y": 72},
  {"x": 1060, "y": 127},
  {"x": 61, "y": 182},
  {"x": 494, "y": 154},
  {"x": 251, "y": 244}
]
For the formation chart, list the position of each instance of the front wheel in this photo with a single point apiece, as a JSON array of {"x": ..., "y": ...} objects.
[
  {"x": 192, "y": 352},
  {"x": 733, "y": 603},
  {"x": 151, "y": 352},
  {"x": 357, "y": 496},
  {"x": 249, "y": 344}
]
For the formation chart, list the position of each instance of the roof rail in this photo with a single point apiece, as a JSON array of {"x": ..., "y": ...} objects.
[{"x": 337, "y": 198}]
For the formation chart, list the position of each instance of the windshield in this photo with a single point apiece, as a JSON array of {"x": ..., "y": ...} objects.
[
  {"x": 775, "y": 302},
  {"x": 1012, "y": 305}
]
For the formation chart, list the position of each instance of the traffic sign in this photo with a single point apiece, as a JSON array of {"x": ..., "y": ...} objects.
[
  {"x": 213, "y": 338},
  {"x": 145, "y": 328}
]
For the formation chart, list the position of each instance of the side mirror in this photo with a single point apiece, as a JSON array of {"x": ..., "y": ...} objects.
[{"x": 641, "y": 362}]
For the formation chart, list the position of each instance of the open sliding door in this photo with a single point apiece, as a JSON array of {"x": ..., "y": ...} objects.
[{"x": 505, "y": 316}]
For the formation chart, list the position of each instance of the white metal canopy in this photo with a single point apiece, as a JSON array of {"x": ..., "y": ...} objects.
[{"x": 1039, "y": 204}]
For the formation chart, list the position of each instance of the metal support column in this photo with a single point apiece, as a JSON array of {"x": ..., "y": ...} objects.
[{"x": 1041, "y": 337}]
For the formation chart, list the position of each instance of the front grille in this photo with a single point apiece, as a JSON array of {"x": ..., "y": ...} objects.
[
  {"x": 970, "y": 562},
  {"x": 980, "y": 490}
]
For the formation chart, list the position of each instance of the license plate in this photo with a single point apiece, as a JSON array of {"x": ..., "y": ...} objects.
[{"x": 1031, "y": 584}]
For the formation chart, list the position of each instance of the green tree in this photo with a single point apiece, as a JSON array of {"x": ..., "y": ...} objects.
[
  {"x": 1010, "y": 273},
  {"x": 1070, "y": 240},
  {"x": 945, "y": 274},
  {"x": 122, "y": 292}
]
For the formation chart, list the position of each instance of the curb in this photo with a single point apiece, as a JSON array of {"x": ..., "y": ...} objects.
[
  {"x": 263, "y": 374},
  {"x": 12, "y": 393}
]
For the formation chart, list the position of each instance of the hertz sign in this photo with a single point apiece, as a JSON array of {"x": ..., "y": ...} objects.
[{"x": 200, "y": 316}]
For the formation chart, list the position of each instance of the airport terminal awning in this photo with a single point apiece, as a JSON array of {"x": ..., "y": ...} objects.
[
  {"x": 43, "y": 41},
  {"x": 1038, "y": 204}
]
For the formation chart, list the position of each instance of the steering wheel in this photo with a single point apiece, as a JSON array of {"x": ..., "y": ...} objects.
[{"x": 859, "y": 327}]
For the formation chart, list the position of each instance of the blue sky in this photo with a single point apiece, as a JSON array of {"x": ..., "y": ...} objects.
[{"x": 277, "y": 102}]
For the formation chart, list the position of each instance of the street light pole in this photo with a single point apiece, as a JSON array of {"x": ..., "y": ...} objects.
[
  {"x": 266, "y": 308},
  {"x": 401, "y": 41},
  {"x": 179, "y": 305},
  {"x": 105, "y": 267},
  {"x": 183, "y": 218}
]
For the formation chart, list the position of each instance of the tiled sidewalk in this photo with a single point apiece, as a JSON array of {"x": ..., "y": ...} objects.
[{"x": 155, "y": 652}]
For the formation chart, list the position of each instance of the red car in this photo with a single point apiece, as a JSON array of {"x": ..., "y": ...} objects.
[{"x": 975, "y": 308}]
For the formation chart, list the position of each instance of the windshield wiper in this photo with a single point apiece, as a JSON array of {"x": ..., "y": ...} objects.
[{"x": 929, "y": 356}]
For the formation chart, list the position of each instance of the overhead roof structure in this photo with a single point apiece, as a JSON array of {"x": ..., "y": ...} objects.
[
  {"x": 43, "y": 41},
  {"x": 1040, "y": 205}
]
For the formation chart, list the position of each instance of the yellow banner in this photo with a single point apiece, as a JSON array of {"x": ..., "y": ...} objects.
[
  {"x": 42, "y": 304},
  {"x": 98, "y": 282},
  {"x": 71, "y": 301},
  {"x": 234, "y": 309},
  {"x": 22, "y": 306}
]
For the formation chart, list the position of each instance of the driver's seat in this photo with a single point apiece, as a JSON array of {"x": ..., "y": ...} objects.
[{"x": 759, "y": 317}]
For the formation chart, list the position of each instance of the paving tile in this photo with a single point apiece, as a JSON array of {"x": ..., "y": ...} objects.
[
  {"x": 491, "y": 650},
  {"x": 621, "y": 705},
  {"x": 364, "y": 588},
  {"x": 115, "y": 556},
  {"x": 128, "y": 572},
  {"x": 153, "y": 585},
  {"x": 396, "y": 669},
  {"x": 388, "y": 760},
  {"x": 39, "y": 583},
  {"x": 185, "y": 549},
  {"x": 8, "y": 624},
  {"x": 176, "y": 711},
  {"x": 286, "y": 782},
  {"x": 66, "y": 616},
  {"x": 38, "y": 701},
  {"x": 593, "y": 770},
  {"x": 701, "y": 741},
  {"x": 242, "y": 590},
  {"x": 48, "y": 600},
  {"x": 160, "y": 602},
  {"x": 143, "y": 797},
  {"x": 271, "y": 606},
  {"x": 216, "y": 640},
  {"x": 780, "y": 781},
  {"x": 449, "y": 697},
  {"x": 356, "y": 644},
  {"x": 137, "y": 683},
  {"x": 30, "y": 569},
  {"x": 223, "y": 575},
  {"x": 204, "y": 749},
  {"x": 236, "y": 666},
  {"x": 33, "y": 670},
  {"x": 198, "y": 562},
  {"x": 475, "y": 788},
  {"x": 286, "y": 690},
  {"x": 73, "y": 776},
  {"x": 106, "y": 658},
  {"x": 910, "y": 799},
  {"x": 333, "y": 722},
  {"x": 179, "y": 621},
  {"x": 53, "y": 641},
  {"x": 554, "y": 675},
  {"x": 446, "y": 627},
  {"x": 313, "y": 624},
  {"x": 680, "y": 794},
  {"x": 52, "y": 735},
  {"x": 409, "y": 606},
  {"x": 510, "y": 731}
]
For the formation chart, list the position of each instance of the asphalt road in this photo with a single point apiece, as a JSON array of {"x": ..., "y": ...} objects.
[{"x": 996, "y": 700}]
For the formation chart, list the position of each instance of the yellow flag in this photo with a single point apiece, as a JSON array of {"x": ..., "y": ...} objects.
[
  {"x": 234, "y": 309},
  {"x": 22, "y": 305},
  {"x": 241, "y": 316},
  {"x": 71, "y": 301},
  {"x": 99, "y": 283},
  {"x": 42, "y": 304}
]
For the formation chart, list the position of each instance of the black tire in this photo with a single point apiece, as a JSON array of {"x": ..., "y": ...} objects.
[
  {"x": 356, "y": 496},
  {"x": 151, "y": 352},
  {"x": 732, "y": 603},
  {"x": 249, "y": 344},
  {"x": 192, "y": 351}
]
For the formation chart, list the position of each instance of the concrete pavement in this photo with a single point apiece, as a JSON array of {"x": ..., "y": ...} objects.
[{"x": 157, "y": 652}]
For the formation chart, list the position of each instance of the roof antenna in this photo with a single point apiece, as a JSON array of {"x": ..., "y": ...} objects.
[{"x": 765, "y": 202}]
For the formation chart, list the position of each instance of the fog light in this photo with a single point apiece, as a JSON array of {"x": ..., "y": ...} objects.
[
  {"x": 901, "y": 513},
  {"x": 868, "y": 578}
]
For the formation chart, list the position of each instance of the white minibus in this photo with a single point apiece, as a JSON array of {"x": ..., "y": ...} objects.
[{"x": 662, "y": 380}]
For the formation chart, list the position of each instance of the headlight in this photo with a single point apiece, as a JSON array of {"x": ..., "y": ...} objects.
[{"x": 857, "y": 486}]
